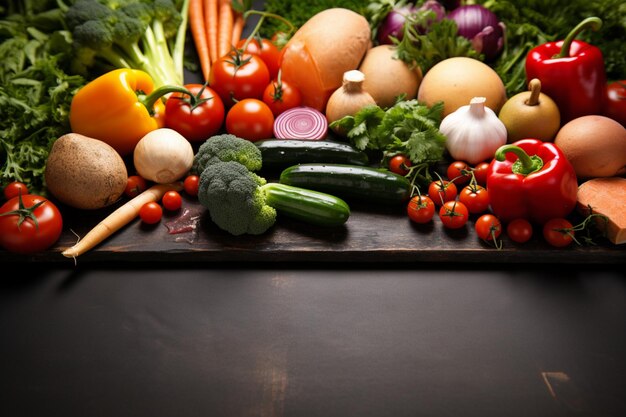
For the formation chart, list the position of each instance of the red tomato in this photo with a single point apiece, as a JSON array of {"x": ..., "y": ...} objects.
[
  {"x": 399, "y": 164},
  {"x": 480, "y": 173},
  {"x": 475, "y": 197},
  {"x": 459, "y": 172},
  {"x": 135, "y": 185},
  {"x": 519, "y": 230},
  {"x": 558, "y": 232},
  {"x": 267, "y": 51},
  {"x": 236, "y": 77},
  {"x": 172, "y": 200},
  {"x": 15, "y": 188},
  {"x": 191, "y": 184},
  {"x": 615, "y": 101},
  {"x": 151, "y": 213},
  {"x": 420, "y": 209},
  {"x": 196, "y": 118},
  {"x": 453, "y": 214},
  {"x": 488, "y": 227},
  {"x": 20, "y": 233},
  {"x": 280, "y": 96},
  {"x": 250, "y": 119},
  {"x": 441, "y": 191}
]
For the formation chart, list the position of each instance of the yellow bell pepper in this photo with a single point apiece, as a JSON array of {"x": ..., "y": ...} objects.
[{"x": 119, "y": 108}]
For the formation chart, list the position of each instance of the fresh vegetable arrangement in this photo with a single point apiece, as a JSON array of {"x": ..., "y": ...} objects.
[{"x": 460, "y": 109}]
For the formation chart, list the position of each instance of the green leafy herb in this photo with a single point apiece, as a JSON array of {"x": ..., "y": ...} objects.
[
  {"x": 35, "y": 96},
  {"x": 408, "y": 128}
]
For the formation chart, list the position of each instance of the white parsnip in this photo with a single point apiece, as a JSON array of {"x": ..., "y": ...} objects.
[{"x": 119, "y": 218}]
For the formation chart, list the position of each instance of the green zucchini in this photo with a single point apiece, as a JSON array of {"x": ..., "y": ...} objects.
[
  {"x": 350, "y": 181},
  {"x": 309, "y": 206},
  {"x": 282, "y": 153}
]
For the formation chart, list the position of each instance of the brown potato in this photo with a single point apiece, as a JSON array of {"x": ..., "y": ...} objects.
[{"x": 85, "y": 173}]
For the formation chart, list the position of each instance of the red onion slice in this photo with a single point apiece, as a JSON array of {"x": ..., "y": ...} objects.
[{"x": 301, "y": 123}]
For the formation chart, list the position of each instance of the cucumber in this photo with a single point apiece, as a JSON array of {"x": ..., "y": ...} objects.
[
  {"x": 350, "y": 181},
  {"x": 309, "y": 206},
  {"x": 282, "y": 153}
]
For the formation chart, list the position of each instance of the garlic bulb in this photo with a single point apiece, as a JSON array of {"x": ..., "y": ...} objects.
[
  {"x": 163, "y": 156},
  {"x": 349, "y": 98},
  {"x": 473, "y": 132}
]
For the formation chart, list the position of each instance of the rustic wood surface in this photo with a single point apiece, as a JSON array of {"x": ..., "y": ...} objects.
[{"x": 370, "y": 235}]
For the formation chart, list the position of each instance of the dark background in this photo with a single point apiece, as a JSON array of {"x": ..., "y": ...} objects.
[{"x": 300, "y": 340}]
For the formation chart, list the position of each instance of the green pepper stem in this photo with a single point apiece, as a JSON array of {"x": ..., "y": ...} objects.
[
  {"x": 525, "y": 164},
  {"x": 594, "y": 22},
  {"x": 152, "y": 98}
]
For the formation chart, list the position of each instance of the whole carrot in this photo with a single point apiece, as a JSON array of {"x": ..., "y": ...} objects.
[
  {"x": 199, "y": 33},
  {"x": 225, "y": 28},
  {"x": 211, "y": 23},
  {"x": 237, "y": 28}
]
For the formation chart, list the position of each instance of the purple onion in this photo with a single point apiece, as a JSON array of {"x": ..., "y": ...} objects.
[
  {"x": 481, "y": 26},
  {"x": 393, "y": 24}
]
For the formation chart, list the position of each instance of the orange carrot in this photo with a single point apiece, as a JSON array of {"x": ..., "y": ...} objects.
[
  {"x": 199, "y": 33},
  {"x": 237, "y": 28},
  {"x": 211, "y": 23},
  {"x": 225, "y": 27}
]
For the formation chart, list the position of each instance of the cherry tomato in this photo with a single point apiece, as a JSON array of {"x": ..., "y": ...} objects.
[
  {"x": 441, "y": 191},
  {"x": 237, "y": 76},
  {"x": 420, "y": 209},
  {"x": 172, "y": 200},
  {"x": 558, "y": 232},
  {"x": 480, "y": 173},
  {"x": 280, "y": 96},
  {"x": 196, "y": 118},
  {"x": 151, "y": 213},
  {"x": 615, "y": 101},
  {"x": 399, "y": 164},
  {"x": 267, "y": 51},
  {"x": 20, "y": 233},
  {"x": 453, "y": 214},
  {"x": 190, "y": 184},
  {"x": 488, "y": 227},
  {"x": 250, "y": 119},
  {"x": 459, "y": 172},
  {"x": 475, "y": 197},
  {"x": 519, "y": 230},
  {"x": 15, "y": 188},
  {"x": 280, "y": 39},
  {"x": 135, "y": 185}
]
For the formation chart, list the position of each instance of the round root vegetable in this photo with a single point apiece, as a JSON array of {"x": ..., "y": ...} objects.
[
  {"x": 595, "y": 146},
  {"x": 457, "y": 80},
  {"x": 348, "y": 99},
  {"x": 163, "y": 156},
  {"x": 85, "y": 173},
  {"x": 387, "y": 77},
  {"x": 330, "y": 43},
  {"x": 119, "y": 218}
]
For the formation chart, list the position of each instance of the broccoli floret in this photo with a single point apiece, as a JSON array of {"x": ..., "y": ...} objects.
[
  {"x": 227, "y": 147},
  {"x": 141, "y": 34},
  {"x": 235, "y": 198}
]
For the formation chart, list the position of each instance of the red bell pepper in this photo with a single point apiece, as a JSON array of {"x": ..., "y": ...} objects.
[
  {"x": 571, "y": 72},
  {"x": 533, "y": 180}
]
